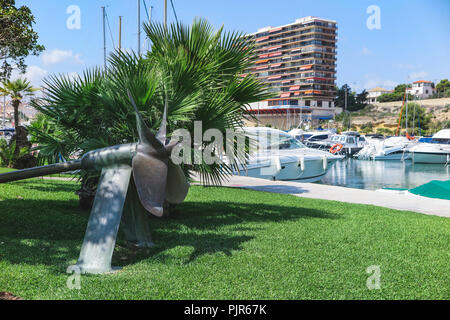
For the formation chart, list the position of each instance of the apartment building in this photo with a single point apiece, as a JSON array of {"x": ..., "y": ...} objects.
[{"x": 297, "y": 61}]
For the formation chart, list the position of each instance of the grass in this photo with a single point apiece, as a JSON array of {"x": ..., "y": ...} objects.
[
  {"x": 57, "y": 175},
  {"x": 226, "y": 244}
]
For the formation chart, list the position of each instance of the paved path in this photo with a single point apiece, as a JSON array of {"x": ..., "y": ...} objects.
[{"x": 400, "y": 200}]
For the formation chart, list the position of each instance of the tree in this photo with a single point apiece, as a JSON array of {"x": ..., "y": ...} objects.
[
  {"x": 9, "y": 153},
  {"x": 340, "y": 100},
  {"x": 367, "y": 127},
  {"x": 400, "y": 88},
  {"x": 17, "y": 37},
  {"x": 360, "y": 101},
  {"x": 17, "y": 90},
  {"x": 397, "y": 95},
  {"x": 418, "y": 119},
  {"x": 355, "y": 102},
  {"x": 385, "y": 131},
  {"x": 443, "y": 88}
]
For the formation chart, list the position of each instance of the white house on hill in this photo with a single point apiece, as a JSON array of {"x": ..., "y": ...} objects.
[
  {"x": 375, "y": 93},
  {"x": 422, "y": 89}
]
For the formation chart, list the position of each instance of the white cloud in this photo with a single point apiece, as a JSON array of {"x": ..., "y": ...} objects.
[
  {"x": 34, "y": 74},
  {"x": 417, "y": 75},
  {"x": 366, "y": 51},
  {"x": 73, "y": 75},
  {"x": 56, "y": 56}
]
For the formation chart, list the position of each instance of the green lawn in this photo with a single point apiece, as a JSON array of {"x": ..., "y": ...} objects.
[
  {"x": 226, "y": 244},
  {"x": 58, "y": 175}
]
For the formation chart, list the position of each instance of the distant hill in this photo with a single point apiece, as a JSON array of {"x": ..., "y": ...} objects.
[{"x": 386, "y": 114}]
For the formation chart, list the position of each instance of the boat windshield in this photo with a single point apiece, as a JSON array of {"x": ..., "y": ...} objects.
[
  {"x": 284, "y": 143},
  {"x": 335, "y": 138},
  {"x": 440, "y": 141}
]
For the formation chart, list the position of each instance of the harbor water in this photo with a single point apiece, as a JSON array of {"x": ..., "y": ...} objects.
[{"x": 373, "y": 175}]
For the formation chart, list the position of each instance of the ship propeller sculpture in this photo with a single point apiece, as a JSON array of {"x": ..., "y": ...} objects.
[{"x": 136, "y": 179}]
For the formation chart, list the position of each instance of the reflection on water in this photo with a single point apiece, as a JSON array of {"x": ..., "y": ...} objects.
[{"x": 372, "y": 175}]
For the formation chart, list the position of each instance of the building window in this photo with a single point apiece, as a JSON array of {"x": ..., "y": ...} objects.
[{"x": 319, "y": 103}]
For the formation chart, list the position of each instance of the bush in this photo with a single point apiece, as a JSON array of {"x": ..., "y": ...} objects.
[
  {"x": 385, "y": 131},
  {"x": 8, "y": 154}
]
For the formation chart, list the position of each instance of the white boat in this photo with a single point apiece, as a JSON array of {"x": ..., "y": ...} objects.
[
  {"x": 307, "y": 137},
  {"x": 282, "y": 157},
  {"x": 349, "y": 143},
  {"x": 436, "y": 151},
  {"x": 393, "y": 148}
]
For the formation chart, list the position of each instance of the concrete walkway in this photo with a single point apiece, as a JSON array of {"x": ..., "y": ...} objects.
[{"x": 400, "y": 200}]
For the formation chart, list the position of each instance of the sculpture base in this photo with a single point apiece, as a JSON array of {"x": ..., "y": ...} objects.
[
  {"x": 95, "y": 270},
  {"x": 142, "y": 244}
]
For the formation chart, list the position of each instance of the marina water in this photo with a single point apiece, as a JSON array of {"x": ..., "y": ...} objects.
[{"x": 373, "y": 175}]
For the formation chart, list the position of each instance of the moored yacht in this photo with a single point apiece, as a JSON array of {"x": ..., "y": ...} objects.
[
  {"x": 307, "y": 137},
  {"x": 435, "y": 151},
  {"x": 348, "y": 143},
  {"x": 393, "y": 148},
  {"x": 282, "y": 157}
]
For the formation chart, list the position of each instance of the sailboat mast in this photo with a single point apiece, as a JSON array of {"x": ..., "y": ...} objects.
[
  {"x": 139, "y": 25},
  {"x": 165, "y": 14},
  {"x": 120, "y": 33},
  {"x": 406, "y": 120},
  {"x": 104, "y": 37}
]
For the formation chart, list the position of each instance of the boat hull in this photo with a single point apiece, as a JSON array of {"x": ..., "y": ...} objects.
[
  {"x": 392, "y": 157},
  {"x": 430, "y": 157},
  {"x": 310, "y": 170}
]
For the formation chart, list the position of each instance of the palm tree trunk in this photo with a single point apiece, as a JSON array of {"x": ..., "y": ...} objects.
[{"x": 15, "y": 104}]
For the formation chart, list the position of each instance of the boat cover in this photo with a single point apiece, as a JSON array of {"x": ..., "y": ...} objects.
[{"x": 433, "y": 189}]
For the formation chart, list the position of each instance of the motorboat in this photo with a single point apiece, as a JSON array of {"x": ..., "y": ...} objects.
[
  {"x": 279, "y": 156},
  {"x": 435, "y": 151},
  {"x": 307, "y": 137},
  {"x": 348, "y": 143},
  {"x": 393, "y": 148}
]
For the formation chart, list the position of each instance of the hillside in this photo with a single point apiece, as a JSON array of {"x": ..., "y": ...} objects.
[{"x": 385, "y": 115}]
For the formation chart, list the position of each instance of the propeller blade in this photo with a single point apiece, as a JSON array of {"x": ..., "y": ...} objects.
[
  {"x": 145, "y": 135},
  {"x": 150, "y": 176},
  {"x": 161, "y": 135},
  {"x": 177, "y": 186}
]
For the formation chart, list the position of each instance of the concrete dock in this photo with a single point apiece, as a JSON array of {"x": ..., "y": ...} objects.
[{"x": 400, "y": 200}]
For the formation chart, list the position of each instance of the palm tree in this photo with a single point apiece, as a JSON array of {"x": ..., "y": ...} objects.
[
  {"x": 17, "y": 90},
  {"x": 193, "y": 69}
]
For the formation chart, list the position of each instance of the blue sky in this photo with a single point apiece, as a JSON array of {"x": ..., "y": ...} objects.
[{"x": 412, "y": 43}]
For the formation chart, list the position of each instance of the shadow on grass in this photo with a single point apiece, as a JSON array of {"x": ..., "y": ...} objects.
[
  {"x": 45, "y": 185},
  {"x": 47, "y": 232},
  {"x": 217, "y": 226},
  {"x": 50, "y": 232}
]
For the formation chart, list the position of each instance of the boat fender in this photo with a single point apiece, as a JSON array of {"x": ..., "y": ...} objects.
[
  {"x": 325, "y": 163},
  {"x": 301, "y": 163},
  {"x": 273, "y": 169}
]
